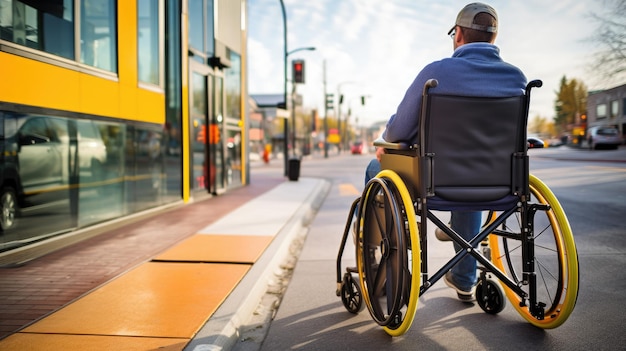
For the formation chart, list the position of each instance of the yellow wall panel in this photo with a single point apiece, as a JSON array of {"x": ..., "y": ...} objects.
[
  {"x": 127, "y": 42},
  {"x": 99, "y": 96},
  {"x": 150, "y": 106},
  {"x": 29, "y": 82},
  {"x": 33, "y": 83},
  {"x": 128, "y": 101}
]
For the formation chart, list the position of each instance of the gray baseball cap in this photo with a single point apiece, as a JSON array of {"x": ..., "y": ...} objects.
[{"x": 467, "y": 14}]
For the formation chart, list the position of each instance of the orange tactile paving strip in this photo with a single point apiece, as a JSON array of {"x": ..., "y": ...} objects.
[
  {"x": 26, "y": 342},
  {"x": 154, "y": 300},
  {"x": 218, "y": 248},
  {"x": 158, "y": 305}
]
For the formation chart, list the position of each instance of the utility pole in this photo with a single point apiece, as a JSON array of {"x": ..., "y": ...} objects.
[{"x": 325, "y": 114}]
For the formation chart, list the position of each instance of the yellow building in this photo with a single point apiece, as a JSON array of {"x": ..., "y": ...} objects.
[{"x": 110, "y": 108}]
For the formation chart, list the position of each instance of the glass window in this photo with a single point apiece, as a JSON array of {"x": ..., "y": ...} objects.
[
  {"x": 209, "y": 29},
  {"x": 614, "y": 108},
  {"x": 233, "y": 87},
  {"x": 69, "y": 173},
  {"x": 98, "y": 34},
  {"x": 40, "y": 25},
  {"x": 148, "y": 33},
  {"x": 196, "y": 25},
  {"x": 601, "y": 111}
]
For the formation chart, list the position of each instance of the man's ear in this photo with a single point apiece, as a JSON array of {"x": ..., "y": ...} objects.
[{"x": 459, "y": 38}]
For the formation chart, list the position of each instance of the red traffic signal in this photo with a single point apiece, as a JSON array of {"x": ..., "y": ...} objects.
[{"x": 298, "y": 71}]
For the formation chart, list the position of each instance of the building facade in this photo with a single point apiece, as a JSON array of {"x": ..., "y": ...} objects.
[
  {"x": 110, "y": 108},
  {"x": 608, "y": 108}
]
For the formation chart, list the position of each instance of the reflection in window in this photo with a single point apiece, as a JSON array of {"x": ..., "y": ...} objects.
[
  {"x": 77, "y": 172},
  {"x": 98, "y": 34},
  {"x": 148, "y": 53},
  {"x": 41, "y": 25}
]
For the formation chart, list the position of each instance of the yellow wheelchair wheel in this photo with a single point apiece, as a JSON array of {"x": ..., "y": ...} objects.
[
  {"x": 388, "y": 252},
  {"x": 555, "y": 259}
]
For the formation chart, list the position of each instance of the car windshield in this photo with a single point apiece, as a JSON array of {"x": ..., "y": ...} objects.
[{"x": 607, "y": 131}]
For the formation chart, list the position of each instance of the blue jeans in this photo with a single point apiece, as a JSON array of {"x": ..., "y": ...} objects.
[{"x": 466, "y": 223}]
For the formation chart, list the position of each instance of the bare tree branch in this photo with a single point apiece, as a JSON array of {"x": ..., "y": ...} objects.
[{"x": 609, "y": 61}]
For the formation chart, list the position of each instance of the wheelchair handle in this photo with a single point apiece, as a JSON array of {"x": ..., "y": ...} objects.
[{"x": 431, "y": 83}]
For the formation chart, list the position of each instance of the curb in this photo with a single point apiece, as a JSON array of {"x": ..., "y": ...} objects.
[{"x": 223, "y": 328}]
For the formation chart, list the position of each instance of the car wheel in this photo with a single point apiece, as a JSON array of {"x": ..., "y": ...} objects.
[{"x": 8, "y": 209}]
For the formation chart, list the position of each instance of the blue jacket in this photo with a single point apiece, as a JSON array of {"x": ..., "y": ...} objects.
[{"x": 475, "y": 69}]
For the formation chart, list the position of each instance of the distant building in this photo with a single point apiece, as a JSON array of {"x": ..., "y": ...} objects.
[{"x": 607, "y": 107}]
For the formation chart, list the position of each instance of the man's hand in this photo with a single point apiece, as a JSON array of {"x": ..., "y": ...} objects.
[{"x": 379, "y": 151}]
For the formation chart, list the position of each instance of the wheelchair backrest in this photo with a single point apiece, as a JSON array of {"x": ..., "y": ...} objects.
[{"x": 474, "y": 148}]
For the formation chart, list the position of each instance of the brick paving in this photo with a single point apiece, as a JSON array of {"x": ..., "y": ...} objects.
[{"x": 42, "y": 286}]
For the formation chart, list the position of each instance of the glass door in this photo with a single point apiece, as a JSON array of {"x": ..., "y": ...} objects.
[
  {"x": 216, "y": 145},
  {"x": 200, "y": 103}
]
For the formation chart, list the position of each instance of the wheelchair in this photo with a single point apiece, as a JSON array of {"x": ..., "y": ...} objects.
[{"x": 472, "y": 155}]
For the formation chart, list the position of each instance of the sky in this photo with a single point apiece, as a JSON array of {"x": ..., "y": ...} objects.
[{"x": 375, "y": 48}]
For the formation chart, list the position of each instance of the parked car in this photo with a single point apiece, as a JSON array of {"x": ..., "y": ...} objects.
[
  {"x": 603, "y": 136},
  {"x": 554, "y": 142},
  {"x": 535, "y": 143},
  {"x": 358, "y": 148},
  {"x": 35, "y": 165}
]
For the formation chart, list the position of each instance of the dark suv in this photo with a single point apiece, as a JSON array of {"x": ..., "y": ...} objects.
[{"x": 36, "y": 160}]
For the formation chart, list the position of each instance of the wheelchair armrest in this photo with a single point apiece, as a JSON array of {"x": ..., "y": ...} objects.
[{"x": 380, "y": 142}]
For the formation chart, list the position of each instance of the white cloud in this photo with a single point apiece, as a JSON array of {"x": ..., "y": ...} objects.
[{"x": 382, "y": 45}]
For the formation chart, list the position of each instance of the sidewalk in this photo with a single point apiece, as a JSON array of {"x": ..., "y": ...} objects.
[
  {"x": 185, "y": 279},
  {"x": 571, "y": 153}
]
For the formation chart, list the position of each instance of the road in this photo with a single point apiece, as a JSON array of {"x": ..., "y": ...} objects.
[{"x": 593, "y": 195}]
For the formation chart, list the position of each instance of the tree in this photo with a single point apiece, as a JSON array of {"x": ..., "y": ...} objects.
[
  {"x": 609, "y": 64},
  {"x": 541, "y": 126},
  {"x": 570, "y": 104}
]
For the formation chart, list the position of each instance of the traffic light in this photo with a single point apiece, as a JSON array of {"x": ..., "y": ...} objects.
[
  {"x": 298, "y": 71},
  {"x": 329, "y": 101}
]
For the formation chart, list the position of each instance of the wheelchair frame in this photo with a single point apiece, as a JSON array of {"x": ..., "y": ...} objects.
[{"x": 391, "y": 246}]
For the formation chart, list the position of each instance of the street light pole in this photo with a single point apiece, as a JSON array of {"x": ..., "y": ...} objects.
[
  {"x": 286, "y": 122},
  {"x": 285, "y": 56}
]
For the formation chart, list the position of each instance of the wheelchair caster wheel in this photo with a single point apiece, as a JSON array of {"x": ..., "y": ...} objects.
[
  {"x": 351, "y": 296},
  {"x": 489, "y": 296}
]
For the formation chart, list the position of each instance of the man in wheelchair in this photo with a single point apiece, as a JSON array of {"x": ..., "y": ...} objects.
[
  {"x": 457, "y": 144},
  {"x": 475, "y": 69}
]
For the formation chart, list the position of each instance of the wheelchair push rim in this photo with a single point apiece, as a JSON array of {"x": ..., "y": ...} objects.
[
  {"x": 563, "y": 277},
  {"x": 388, "y": 268}
]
